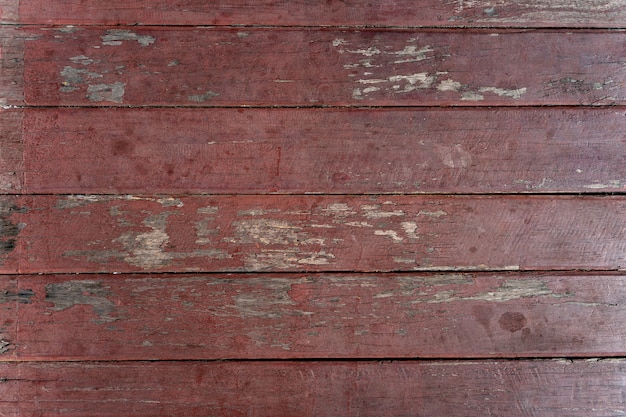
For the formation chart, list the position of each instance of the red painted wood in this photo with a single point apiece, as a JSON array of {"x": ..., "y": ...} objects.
[
  {"x": 323, "y": 151},
  {"x": 300, "y": 67},
  {"x": 321, "y": 233},
  {"x": 110, "y": 317},
  {"x": 520, "y": 13},
  {"x": 11, "y": 66},
  {"x": 438, "y": 389},
  {"x": 11, "y": 152}
]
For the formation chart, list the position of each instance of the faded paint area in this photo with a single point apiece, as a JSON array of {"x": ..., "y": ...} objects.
[
  {"x": 144, "y": 250},
  {"x": 9, "y": 229},
  {"x": 116, "y": 37},
  {"x": 201, "y": 98},
  {"x": 92, "y": 293},
  {"x": 270, "y": 232},
  {"x": 454, "y": 156},
  {"x": 509, "y": 290},
  {"x": 106, "y": 92},
  {"x": 73, "y": 78},
  {"x": 21, "y": 297},
  {"x": 268, "y": 259}
]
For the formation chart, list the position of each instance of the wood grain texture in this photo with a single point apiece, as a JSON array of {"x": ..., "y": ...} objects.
[
  {"x": 211, "y": 67},
  {"x": 11, "y": 151},
  {"x": 439, "y": 389},
  {"x": 340, "y": 316},
  {"x": 520, "y": 13},
  {"x": 11, "y": 66},
  {"x": 326, "y": 151},
  {"x": 315, "y": 233}
]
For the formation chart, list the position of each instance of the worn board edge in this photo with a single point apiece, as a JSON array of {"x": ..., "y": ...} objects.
[
  {"x": 503, "y": 13},
  {"x": 11, "y": 67},
  {"x": 311, "y": 316},
  {"x": 322, "y": 151},
  {"x": 549, "y": 388},
  {"x": 11, "y": 151}
]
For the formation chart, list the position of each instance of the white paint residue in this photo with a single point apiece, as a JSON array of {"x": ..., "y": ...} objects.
[
  {"x": 117, "y": 36},
  {"x": 338, "y": 210},
  {"x": 415, "y": 81},
  {"x": 428, "y": 213},
  {"x": 389, "y": 233},
  {"x": 371, "y": 51},
  {"x": 471, "y": 96},
  {"x": 515, "y": 93},
  {"x": 449, "y": 85},
  {"x": 410, "y": 228},
  {"x": 374, "y": 212},
  {"x": 413, "y": 54},
  {"x": 370, "y": 90},
  {"x": 339, "y": 41}
]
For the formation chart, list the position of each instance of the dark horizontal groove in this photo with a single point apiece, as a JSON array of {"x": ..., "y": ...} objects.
[
  {"x": 506, "y": 106},
  {"x": 461, "y": 27},
  {"x": 121, "y": 195},
  {"x": 379, "y": 360},
  {"x": 421, "y": 272},
  {"x": 142, "y": 274}
]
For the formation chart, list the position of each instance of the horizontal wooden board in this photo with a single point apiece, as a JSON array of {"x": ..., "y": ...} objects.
[
  {"x": 316, "y": 150},
  {"x": 593, "y": 388},
  {"x": 520, "y": 13},
  {"x": 317, "y": 233},
  {"x": 211, "y": 67},
  {"x": 268, "y": 316}
]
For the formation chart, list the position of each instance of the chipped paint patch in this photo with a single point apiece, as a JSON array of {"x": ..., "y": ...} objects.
[
  {"x": 389, "y": 233},
  {"x": 374, "y": 212},
  {"x": 412, "y": 53},
  {"x": 117, "y": 36},
  {"x": 409, "y": 229},
  {"x": 502, "y": 92},
  {"x": 201, "y": 98},
  {"x": 73, "y": 77},
  {"x": 66, "y": 295},
  {"x": 82, "y": 60},
  {"x": 509, "y": 290},
  {"x": 146, "y": 249},
  {"x": 286, "y": 259},
  {"x": 106, "y": 92},
  {"x": 471, "y": 96},
  {"x": 449, "y": 85},
  {"x": 21, "y": 296}
]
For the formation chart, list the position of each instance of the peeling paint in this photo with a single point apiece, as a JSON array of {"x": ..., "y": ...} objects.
[
  {"x": 93, "y": 293},
  {"x": 502, "y": 92},
  {"x": 410, "y": 228},
  {"x": 72, "y": 77},
  {"x": 201, "y": 98},
  {"x": 21, "y": 296},
  {"x": 82, "y": 59},
  {"x": 449, "y": 85},
  {"x": 389, "y": 233},
  {"x": 436, "y": 213},
  {"x": 286, "y": 259},
  {"x": 106, "y": 92},
  {"x": 374, "y": 212},
  {"x": 413, "y": 54},
  {"x": 117, "y": 36}
]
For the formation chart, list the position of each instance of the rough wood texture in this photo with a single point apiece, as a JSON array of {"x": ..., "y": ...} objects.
[
  {"x": 318, "y": 233},
  {"x": 342, "y": 316},
  {"x": 439, "y": 389},
  {"x": 321, "y": 150},
  {"x": 296, "y": 67},
  {"x": 496, "y": 13},
  {"x": 11, "y": 66},
  {"x": 11, "y": 153}
]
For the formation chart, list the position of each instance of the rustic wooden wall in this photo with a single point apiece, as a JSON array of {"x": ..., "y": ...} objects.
[{"x": 321, "y": 208}]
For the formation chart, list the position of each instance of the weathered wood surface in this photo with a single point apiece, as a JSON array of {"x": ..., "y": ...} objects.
[
  {"x": 317, "y": 233},
  {"x": 328, "y": 151},
  {"x": 546, "y": 388},
  {"x": 496, "y": 13},
  {"x": 300, "y": 67},
  {"x": 341, "y": 316}
]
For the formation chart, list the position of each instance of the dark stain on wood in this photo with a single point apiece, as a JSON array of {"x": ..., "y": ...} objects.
[
  {"x": 72, "y": 293},
  {"x": 23, "y": 296},
  {"x": 9, "y": 229}
]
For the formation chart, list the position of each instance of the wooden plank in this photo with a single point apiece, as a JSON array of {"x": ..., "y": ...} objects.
[
  {"x": 520, "y": 13},
  {"x": 314, "y": 233},
  {"x": 11, "y": 297},
  {"x": 11, "y": 152},
  {"x": 303, "y": 67},
  {"x": 111, "y": 317},
  {"x": 592, "y": 388},
  {"x": 323, "y": 151},
  {"x": 12, "y": 66}
]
